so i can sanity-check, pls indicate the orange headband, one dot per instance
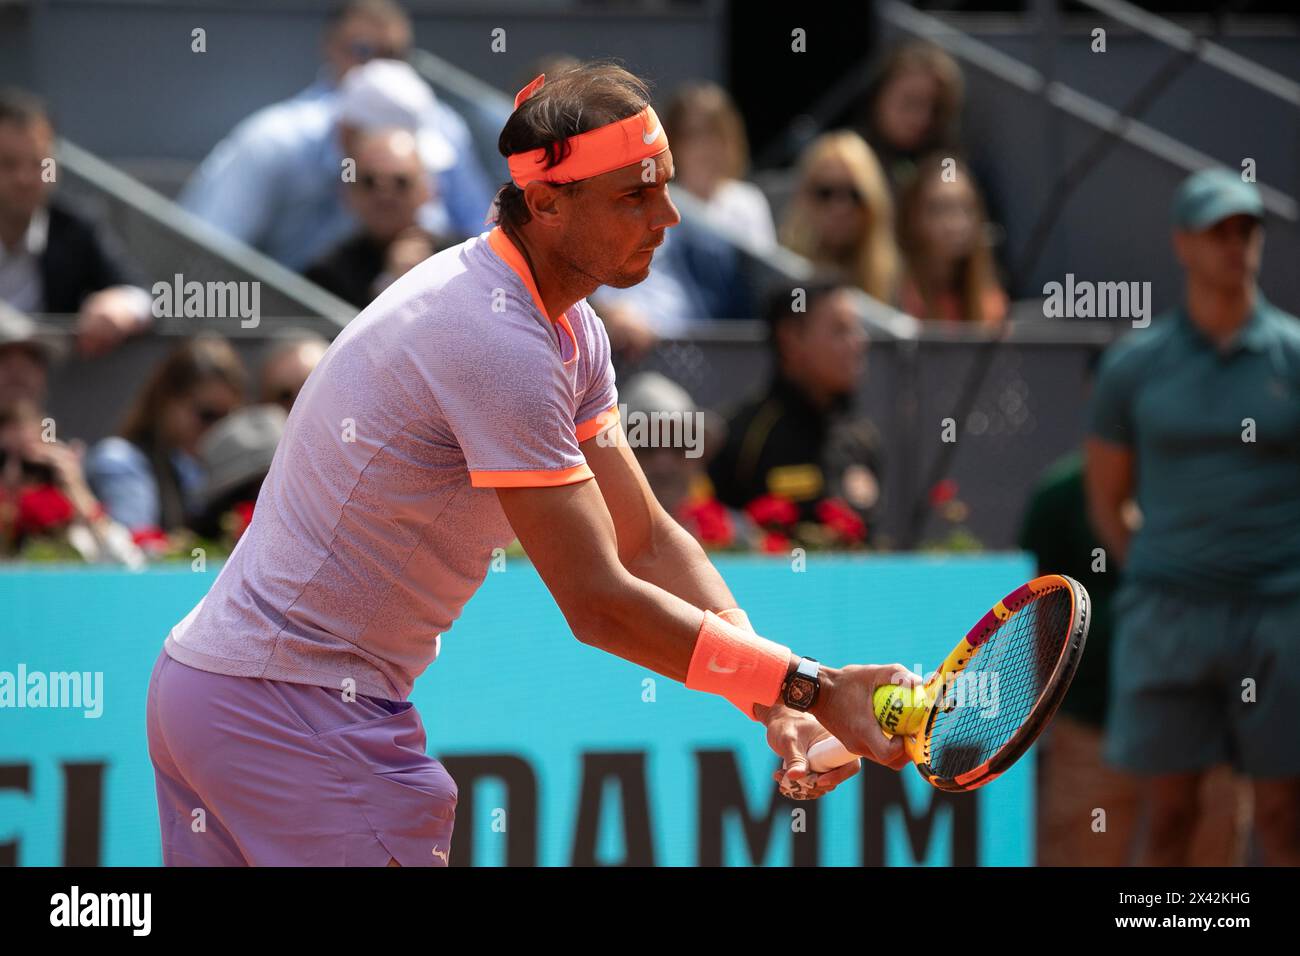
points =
(592, 153)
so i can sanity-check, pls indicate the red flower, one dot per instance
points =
(151, 539)
(943, 492)
(243, 512)
(774, 543)
(846, 523)
(769, 510)
(41, 509)
(709, 521)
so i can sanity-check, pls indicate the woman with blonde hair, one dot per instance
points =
(711, 159)
(842, 216)
(943, 232)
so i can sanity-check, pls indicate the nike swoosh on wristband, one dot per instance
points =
(713, 666)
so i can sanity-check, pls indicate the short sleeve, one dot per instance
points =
(516, 430)
(1110, 414)
(598, 407)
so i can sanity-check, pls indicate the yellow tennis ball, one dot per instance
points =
(899, 709)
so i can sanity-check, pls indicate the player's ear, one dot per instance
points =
(542, 199)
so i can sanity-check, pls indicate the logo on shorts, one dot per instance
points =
(442, 855)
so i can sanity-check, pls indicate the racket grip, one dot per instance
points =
(828, 754)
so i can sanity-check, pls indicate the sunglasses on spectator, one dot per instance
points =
(370, 182)
(210, 415)
(826, 192)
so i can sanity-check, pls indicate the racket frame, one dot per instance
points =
(918, 746)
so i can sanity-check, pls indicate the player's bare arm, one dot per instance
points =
(607, 605)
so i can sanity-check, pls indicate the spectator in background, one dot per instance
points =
(1073, 779)
(1197, 418)
(357, 32)
(799, 453)
(236, 454)
(148, 475)
(26, 355)
(673, 441)
(386, 198)
(285, 370)
(44, 497)
(949, 272)
(276, 181)
(912, 108)
(51, 259)
(842, 216)
(711, 158)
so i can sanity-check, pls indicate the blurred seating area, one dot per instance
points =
(170, 279)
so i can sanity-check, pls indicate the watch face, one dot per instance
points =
(800, 692)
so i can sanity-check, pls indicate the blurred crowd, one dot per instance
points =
(366, 173)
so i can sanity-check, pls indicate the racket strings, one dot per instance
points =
(997, 692)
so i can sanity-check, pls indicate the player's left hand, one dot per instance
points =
(790, 733)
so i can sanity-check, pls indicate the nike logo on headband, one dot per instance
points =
(650, 137)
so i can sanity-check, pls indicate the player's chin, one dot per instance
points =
(627, 277)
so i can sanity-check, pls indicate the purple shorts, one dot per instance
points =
(291, 775)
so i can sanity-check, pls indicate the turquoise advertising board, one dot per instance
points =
(563, 754)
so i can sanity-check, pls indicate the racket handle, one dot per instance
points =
(897, 709)
(828, 754)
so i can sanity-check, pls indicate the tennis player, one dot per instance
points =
(472, 402)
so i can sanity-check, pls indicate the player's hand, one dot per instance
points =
(845, 709)
(790, 733)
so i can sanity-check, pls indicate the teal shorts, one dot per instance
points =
(1184, 668)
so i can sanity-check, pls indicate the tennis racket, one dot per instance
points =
(992, 696)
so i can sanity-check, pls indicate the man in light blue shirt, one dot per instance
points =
(275, 182)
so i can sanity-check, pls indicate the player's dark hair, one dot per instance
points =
(22, 108)
(781, 302)
(579, 99)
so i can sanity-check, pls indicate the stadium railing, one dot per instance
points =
(1026, 404)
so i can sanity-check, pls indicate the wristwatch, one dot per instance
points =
(799, 692)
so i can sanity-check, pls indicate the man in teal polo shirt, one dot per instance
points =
(1198, 418)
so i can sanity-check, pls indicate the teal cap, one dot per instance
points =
(1213, 195)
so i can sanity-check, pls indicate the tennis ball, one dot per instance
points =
(900, 709)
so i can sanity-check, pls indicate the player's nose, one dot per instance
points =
(667, 215)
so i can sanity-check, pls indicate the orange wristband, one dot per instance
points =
(734, 662)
